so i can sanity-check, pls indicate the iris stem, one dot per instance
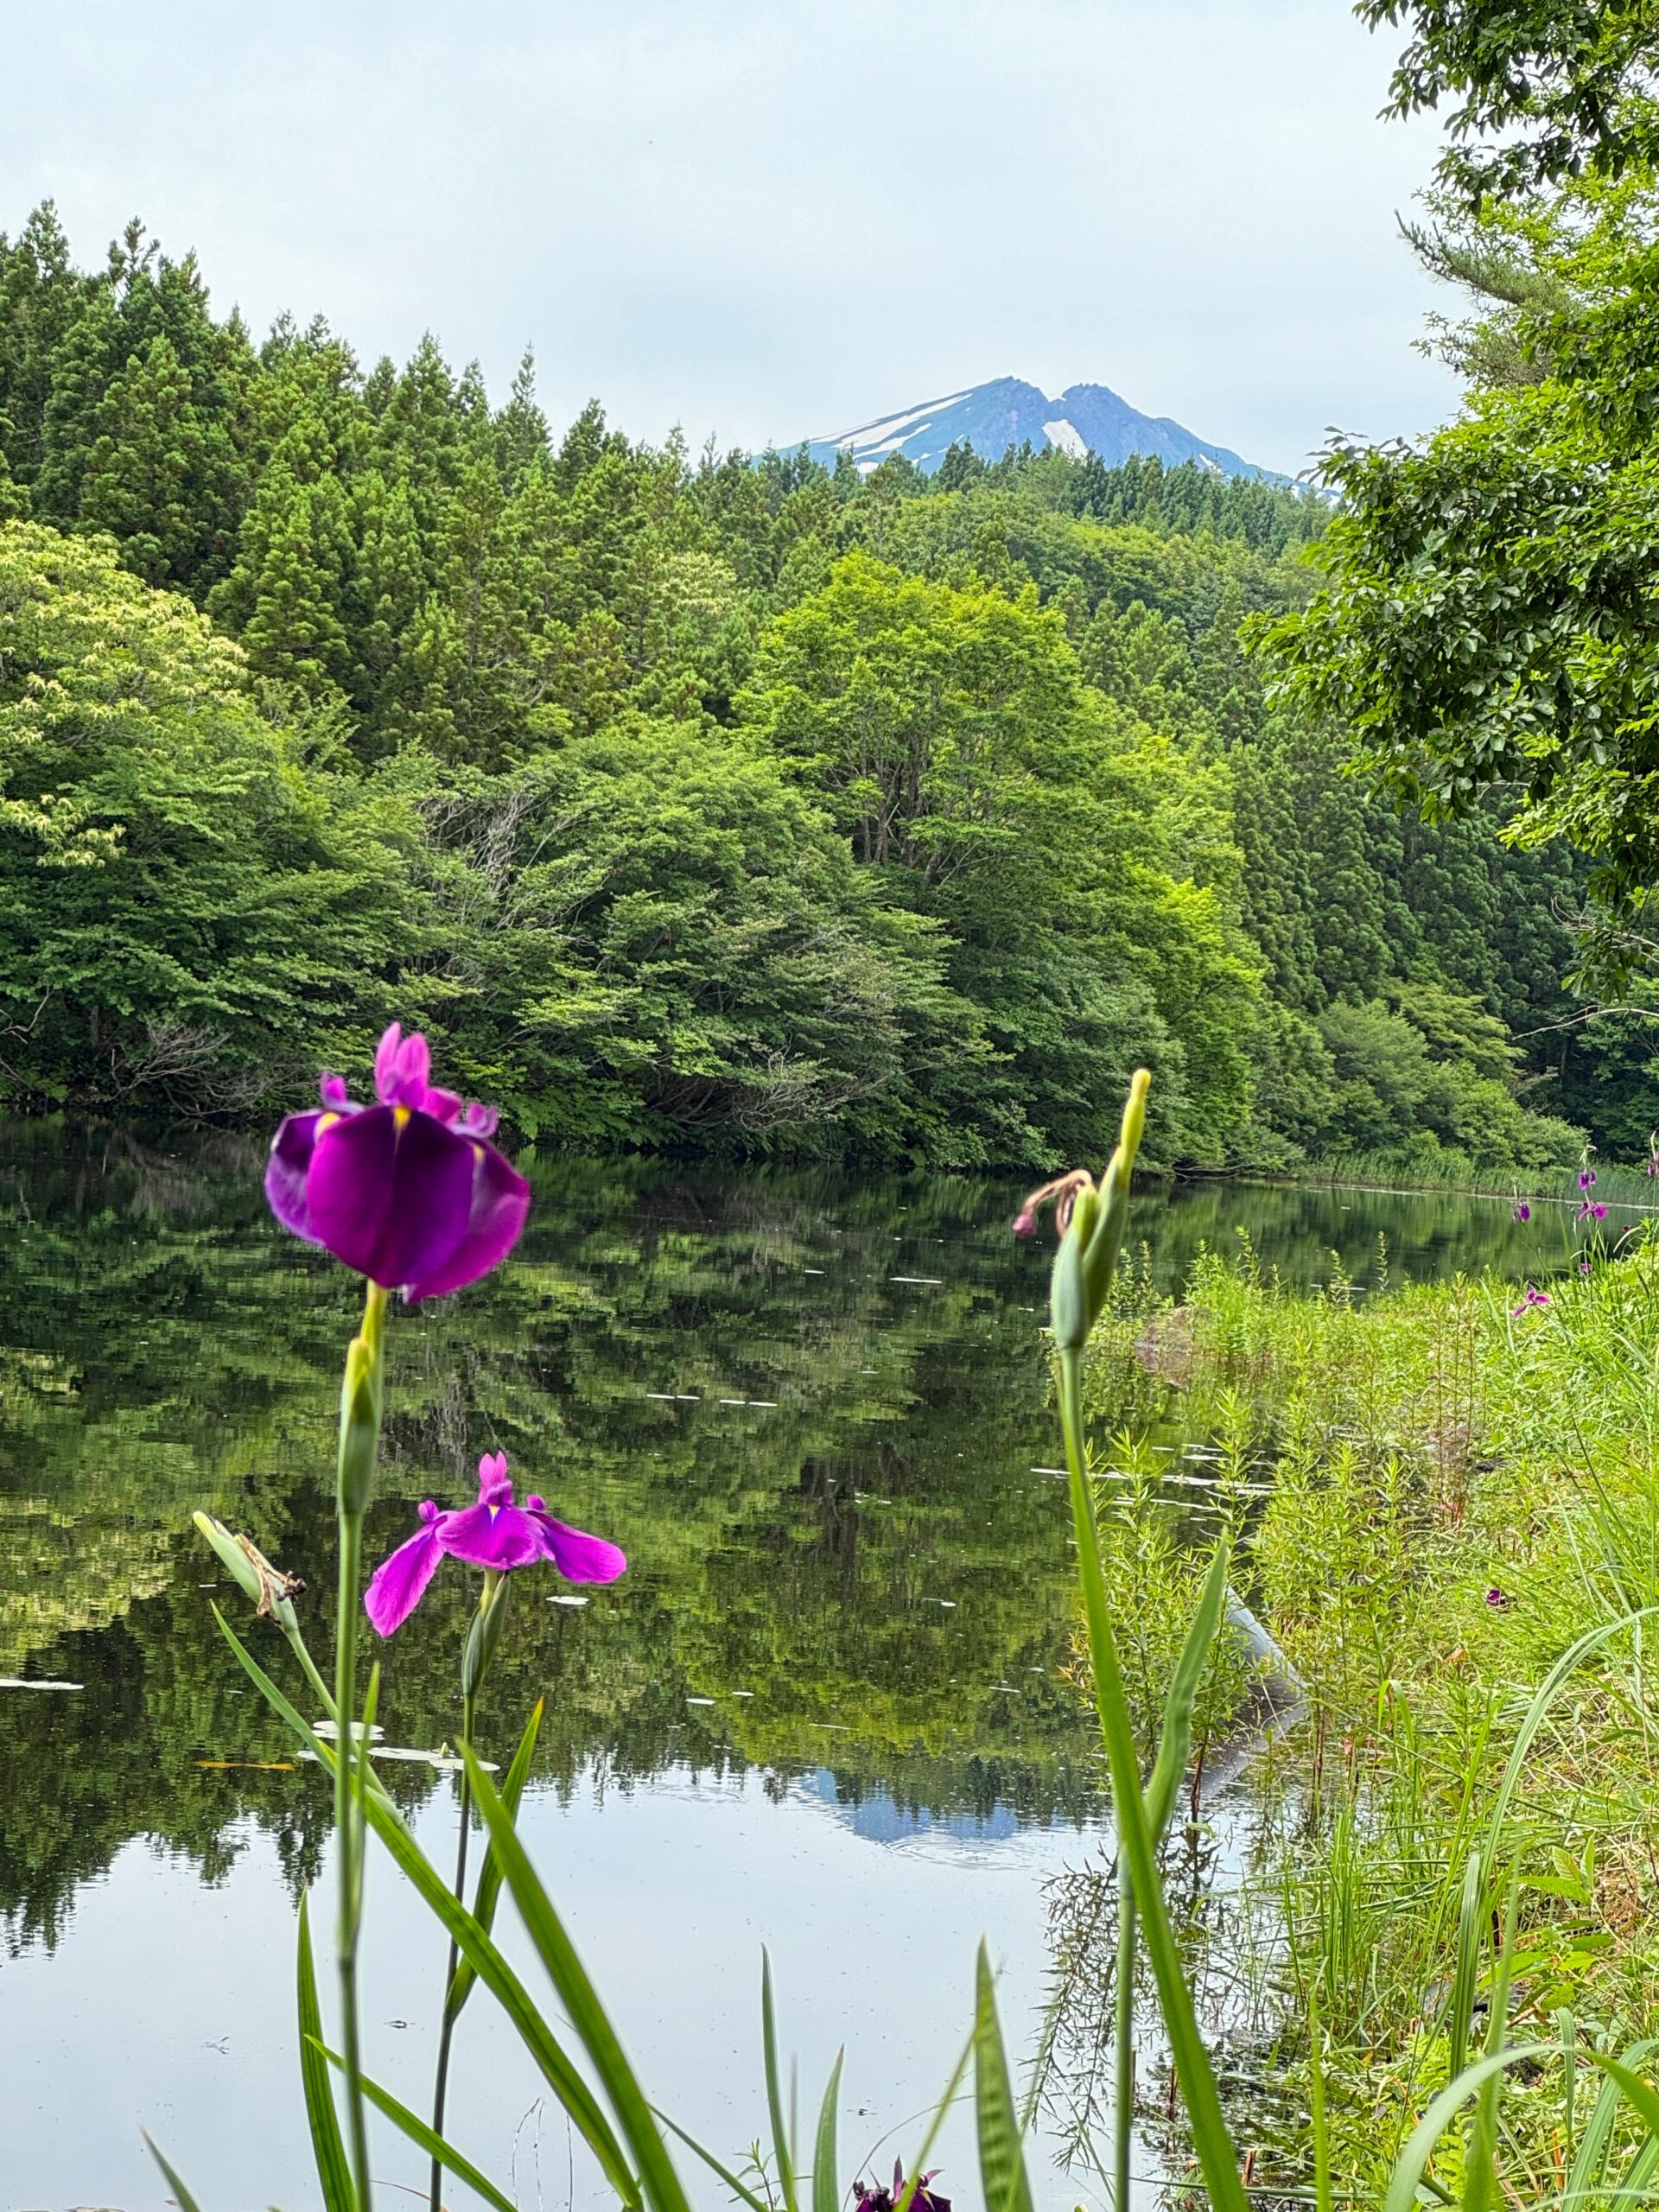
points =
(1077, 1461)
(446, 2033)
(1123, 2053)
(360, 1439)
(1137, 1843)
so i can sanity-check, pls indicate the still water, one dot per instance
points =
(825, 1711)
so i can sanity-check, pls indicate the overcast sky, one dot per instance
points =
(771, 218)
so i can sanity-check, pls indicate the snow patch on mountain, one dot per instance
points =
(1007, 412)
(1067, 437)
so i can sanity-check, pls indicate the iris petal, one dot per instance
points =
(399, 1584)
(578, 1556)
(402, 1065)
(390, 1193)
(500, 1206)
(385, 1061)
(500, 1537)
(411, 1193)
(285, 1173)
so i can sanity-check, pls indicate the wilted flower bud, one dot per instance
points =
(272, 1591)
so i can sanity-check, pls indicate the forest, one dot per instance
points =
(707, 802)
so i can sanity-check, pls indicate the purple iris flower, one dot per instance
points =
(875, 2196)
(1587, 1212)
(1586, 1179)
(1532, 1298)
(411, 1193)
(495, 1534)
(1521, 1211)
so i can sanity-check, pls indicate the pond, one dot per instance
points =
(826, 1710)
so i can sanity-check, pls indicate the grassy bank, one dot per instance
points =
(1435, 1491)
(1446, 1170)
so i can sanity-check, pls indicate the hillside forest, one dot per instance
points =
(704, 801)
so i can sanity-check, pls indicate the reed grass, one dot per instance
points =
(1618, 1181)
(1459, 1494)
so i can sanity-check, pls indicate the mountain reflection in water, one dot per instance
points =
(812, 1407)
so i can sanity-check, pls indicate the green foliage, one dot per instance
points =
(1457, 1555)
(697, 802)
(191, 913)
(1153, 1577)
(1483, 625)
(973, 773)
(661, 934)
(1565, 79)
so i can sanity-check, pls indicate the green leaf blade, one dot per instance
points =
(1002, 2157)
(826, 2185)
(328, 2146)
(662, 2185)
(488, 1892)
(421, 2135)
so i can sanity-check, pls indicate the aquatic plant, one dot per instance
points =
(494, 1535)
(408, 1184)
(389, 1206)
(499, 1537)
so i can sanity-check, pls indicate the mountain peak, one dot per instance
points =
(991, 417)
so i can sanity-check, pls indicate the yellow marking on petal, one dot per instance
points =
(326, 1121)
(400, 1116)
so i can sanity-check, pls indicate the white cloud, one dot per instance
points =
(756, 219)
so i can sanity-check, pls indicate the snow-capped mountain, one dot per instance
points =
(991, 417)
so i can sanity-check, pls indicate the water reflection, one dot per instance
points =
(812, 1409)
(808, 1408)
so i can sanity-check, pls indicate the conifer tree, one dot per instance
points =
(39, 295)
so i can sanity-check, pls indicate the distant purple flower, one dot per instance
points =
(876, 2196)
(1586, 1267)
(411, 1193)
(1064, 1192)
(494, 1534)
(1533, 1297)
(1586, 1179)
(1587, 1212)
(1499, 1600)
(1520, 1210)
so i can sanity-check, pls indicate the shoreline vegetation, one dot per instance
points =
(1413, 1175)
(1431, 1495)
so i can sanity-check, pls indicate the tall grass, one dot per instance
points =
(1447, 1170)
(1458, 1495)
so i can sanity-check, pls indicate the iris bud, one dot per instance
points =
(1068, 1291)
(360, 1427)
(269, 1588)
(231, 1555)
(484, 1636)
